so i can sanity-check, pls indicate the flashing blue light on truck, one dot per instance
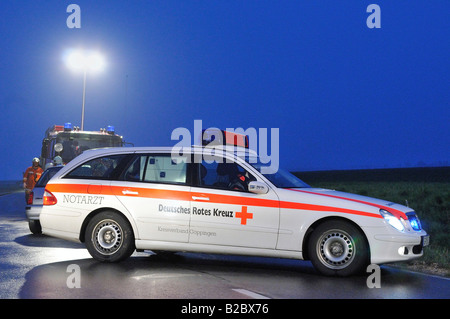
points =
(68, 126)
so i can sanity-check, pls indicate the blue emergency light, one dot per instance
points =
(68, 126)
(110, 129)
(415, 224)
(414, 221)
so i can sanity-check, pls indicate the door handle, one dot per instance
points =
(200, 198)
(128, 192)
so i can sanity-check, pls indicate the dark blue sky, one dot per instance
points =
(342, 95)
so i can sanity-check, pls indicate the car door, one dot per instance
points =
(224, 212)
(155, 190)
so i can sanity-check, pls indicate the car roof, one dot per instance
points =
(165, 149)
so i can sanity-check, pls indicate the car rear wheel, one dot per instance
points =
(337, 248)
(35, 226)
(109, 237)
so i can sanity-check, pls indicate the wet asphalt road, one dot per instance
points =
(43, 267)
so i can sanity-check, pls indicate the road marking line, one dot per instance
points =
(250, 294)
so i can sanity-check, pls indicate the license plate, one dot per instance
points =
(425, 240)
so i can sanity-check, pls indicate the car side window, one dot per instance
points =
(222, 175)
(102, 168)
(153, 168)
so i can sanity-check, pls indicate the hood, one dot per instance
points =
(327, 194)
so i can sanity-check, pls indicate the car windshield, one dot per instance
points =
(74, 143)
(281, 178)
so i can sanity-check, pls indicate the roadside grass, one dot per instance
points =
(430, 200)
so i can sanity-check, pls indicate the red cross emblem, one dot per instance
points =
(244, 215)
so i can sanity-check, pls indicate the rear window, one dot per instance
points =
(47, 175)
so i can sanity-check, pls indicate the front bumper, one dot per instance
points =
(393, 246)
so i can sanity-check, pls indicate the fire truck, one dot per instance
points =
(68, 141)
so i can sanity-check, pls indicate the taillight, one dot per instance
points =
(49, 198)
(30, 198)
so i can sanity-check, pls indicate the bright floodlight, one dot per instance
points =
(85, 61)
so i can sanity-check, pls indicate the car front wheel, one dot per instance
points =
(109, 237)
(338, 248)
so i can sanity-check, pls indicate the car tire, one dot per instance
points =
(35, 226)
(109, 237)
(338, 248)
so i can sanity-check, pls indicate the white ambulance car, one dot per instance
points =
(120, 200)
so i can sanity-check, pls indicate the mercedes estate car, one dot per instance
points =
(119, 200)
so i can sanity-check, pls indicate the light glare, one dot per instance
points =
(392, 220)
(80, 60)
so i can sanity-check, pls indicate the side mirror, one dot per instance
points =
(258, 187)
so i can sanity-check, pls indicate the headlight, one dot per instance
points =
(392, 220)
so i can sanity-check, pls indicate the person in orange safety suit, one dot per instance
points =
(31, 176)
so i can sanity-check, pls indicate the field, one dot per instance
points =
(426, 190)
